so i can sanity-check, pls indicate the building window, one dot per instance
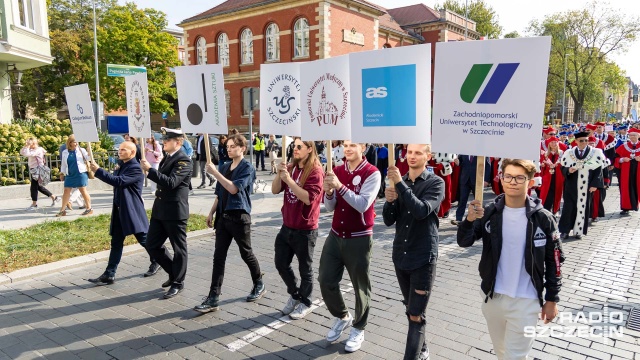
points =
(223, 49)
(386, 46)
(227, 99)
(246, 47)
(25, 13)
(201, 51)
(273, 42)
(301, 38)
(246, 99)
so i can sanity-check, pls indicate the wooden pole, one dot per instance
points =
(479, 193)
(329, 156)
(284, 149)
(143, 147)
(207, 150)
(90, 152)
(392, 155)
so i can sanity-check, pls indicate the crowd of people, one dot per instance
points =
(538, 204)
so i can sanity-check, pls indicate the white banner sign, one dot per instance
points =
(280, 99)
(138, 105)
(326, 99)
(391, 95)
(83, 121)
(201, 99)
(489, 97)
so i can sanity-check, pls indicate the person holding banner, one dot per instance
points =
(128, 216)
(170, 210)
(232, 210)
(301, 183)
(73, 171)
(412, 205)
(582, 171)
(521, 259)
(350, 192)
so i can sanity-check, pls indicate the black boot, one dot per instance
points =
(104, 279)
(209, 304)
(211, 181)
(257, 291)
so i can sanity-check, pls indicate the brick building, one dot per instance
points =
(242, 34)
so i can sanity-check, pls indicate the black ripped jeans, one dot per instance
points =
(416, 304)
(300, 243)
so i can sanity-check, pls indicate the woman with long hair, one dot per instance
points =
(153, 154)
(73, 172)
(35, 155)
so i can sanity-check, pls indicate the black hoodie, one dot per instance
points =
(541, 262)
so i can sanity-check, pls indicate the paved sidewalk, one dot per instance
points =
(63, 316)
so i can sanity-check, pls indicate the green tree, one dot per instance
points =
(126, 35)
(512, 35)
(584, 38)
(479, 11)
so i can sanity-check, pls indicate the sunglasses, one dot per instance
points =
(299, 147)
(583, 140)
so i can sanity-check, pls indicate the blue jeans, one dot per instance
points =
(117, 244)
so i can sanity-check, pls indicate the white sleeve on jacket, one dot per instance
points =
(368, 193)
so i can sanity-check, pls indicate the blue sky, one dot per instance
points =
(513, 15)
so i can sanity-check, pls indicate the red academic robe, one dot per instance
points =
(496, 184)
(401, 162)
(445, 205)
(455, 179)
(552, 184)
(628, 175)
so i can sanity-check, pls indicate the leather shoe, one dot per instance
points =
(104, 279)
(153, 269)
(257, 291)
(201, 186)
(209, 304)
(211, 182)
(173, 291)
(167, 283)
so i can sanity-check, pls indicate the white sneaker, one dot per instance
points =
(32, 208)
(290, 306)
(356, 338)
(424, 355)
(300, 311)
(338, 327)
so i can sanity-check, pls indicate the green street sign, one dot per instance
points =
(124, 70)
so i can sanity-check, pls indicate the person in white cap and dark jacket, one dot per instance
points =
(170, 210)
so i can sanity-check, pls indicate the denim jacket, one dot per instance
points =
(243, 177)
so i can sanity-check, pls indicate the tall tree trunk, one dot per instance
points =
(577, 110)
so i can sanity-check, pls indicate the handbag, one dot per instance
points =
(41, 173)
(90, 172)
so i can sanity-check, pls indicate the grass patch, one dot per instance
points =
(59, 240)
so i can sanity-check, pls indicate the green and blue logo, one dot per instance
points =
(495, 86)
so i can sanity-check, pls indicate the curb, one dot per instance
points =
(44, 269)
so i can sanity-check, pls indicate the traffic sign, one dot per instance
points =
(124, 70)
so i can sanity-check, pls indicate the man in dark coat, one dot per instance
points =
(170, 210)
(467, 182)
(127, 215)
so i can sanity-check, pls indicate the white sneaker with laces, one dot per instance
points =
(290, 306)
(424, 355)
(300, 311)
(338, 327)
(32, 208)
(356, 338)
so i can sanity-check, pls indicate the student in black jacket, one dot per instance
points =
(521, 258)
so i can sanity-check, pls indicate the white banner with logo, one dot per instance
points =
(391, 95)
(326, 99)
(489, 97)
(280, 112)
(201, 99)
(83, 121)
(138, 105)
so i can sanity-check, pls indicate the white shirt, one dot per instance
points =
(512, 278)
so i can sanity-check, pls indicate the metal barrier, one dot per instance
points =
(17, 167)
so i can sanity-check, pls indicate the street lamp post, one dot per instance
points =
(564, 87)
(95, 54)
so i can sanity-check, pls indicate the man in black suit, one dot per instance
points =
(202, 159)
(467, 182)
(127, 214)
(170, 210)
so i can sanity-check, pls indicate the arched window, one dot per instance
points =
(273, 42)
(386, 46)
(223, 49)
(246, 47)
(227, 99)
(201, 51)
(301, 38)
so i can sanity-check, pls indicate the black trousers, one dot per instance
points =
(232, 226)
(259, 154)
(35, 187)
(176, 231)
(416, 304)
(301, 243)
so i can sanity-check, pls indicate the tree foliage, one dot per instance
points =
(126, 35)
(584, 38)
(479, 11)
(512, 35)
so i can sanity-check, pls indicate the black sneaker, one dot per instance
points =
(167, 283)
(257, 291)
(104, 279)
(209, 304)
(202, 186)
(624, 212)
(211, 182)
(153, 269)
